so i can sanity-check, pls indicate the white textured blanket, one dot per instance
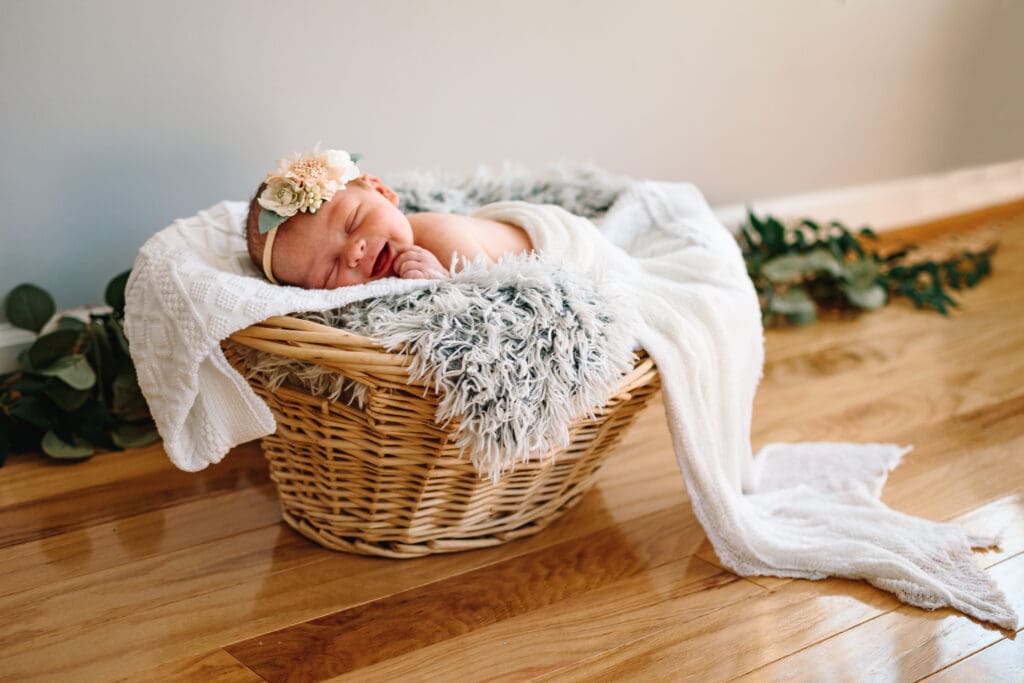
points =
(191, 287)
(804, 510)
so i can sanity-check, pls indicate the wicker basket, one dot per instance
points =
(385, 479)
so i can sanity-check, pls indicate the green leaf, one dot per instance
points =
(56, 447)
(74, 371)
(801, 318)
(67, 398)
(794, 302)
(114, 296)
(129, 403)
(48, 348)
(93, 422)
(68, 322)
(29, 384)
(118, 329)
(34, 410)
(791, 267)
(868, 298)
(270, 220)
(860, 274)
(102, 355)
(29, 307)
(135, 436)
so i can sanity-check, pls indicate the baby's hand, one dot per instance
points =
(417, 262)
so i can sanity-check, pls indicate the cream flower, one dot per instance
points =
(283, 196)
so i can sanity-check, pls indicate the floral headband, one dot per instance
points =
(302, 183)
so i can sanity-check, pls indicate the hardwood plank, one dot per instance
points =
(91, 549)
(915, 383)
(904, 644)
(213, 667)
(336, 643)
(999, 663)
(551, 638)
(105, 493)
(737, 638)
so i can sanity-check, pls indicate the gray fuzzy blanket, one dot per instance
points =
(516, 350)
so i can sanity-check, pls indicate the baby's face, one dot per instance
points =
(352, 239)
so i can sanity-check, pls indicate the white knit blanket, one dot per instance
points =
(807, 510)
(804, 510)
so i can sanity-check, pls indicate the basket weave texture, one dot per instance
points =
(385, 479)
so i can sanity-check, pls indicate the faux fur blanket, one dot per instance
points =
(517, 351)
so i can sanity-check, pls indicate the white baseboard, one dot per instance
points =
(895, 203)
(12, 341)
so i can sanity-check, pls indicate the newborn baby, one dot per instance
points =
(318, 222)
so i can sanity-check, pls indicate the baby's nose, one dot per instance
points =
(356, 252)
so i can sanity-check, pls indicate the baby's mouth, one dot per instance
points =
(381, 264)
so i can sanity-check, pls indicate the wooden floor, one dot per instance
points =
(123, 567)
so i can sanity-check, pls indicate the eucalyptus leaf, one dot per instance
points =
(794, 302)
(114, 296)
(93, 422)
(118, 331)
(68, 322)
(860, 274)
(56, 447)
(791, 267)
(129, 403)
(868, 298)
(801, 318)
(74, 371)
(135, 436)
(102, 355)
(33, 409)
(30, 384)
(784, 268)
(49, 348)
(67, 398)
(29, 307)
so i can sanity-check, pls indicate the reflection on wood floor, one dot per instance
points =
(123, 567)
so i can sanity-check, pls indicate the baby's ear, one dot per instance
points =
(378, 184)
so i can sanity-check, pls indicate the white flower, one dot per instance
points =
(283, 196)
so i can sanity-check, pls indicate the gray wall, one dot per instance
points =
(119, 116)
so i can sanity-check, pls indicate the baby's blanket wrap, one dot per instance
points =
(808, 510)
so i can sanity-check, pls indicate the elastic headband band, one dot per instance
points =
(268, 249)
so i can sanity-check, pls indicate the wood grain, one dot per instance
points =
(123, 568)
(999, 663)
(903, 644)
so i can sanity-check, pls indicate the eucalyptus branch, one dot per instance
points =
(803, 269)
(76, 391)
